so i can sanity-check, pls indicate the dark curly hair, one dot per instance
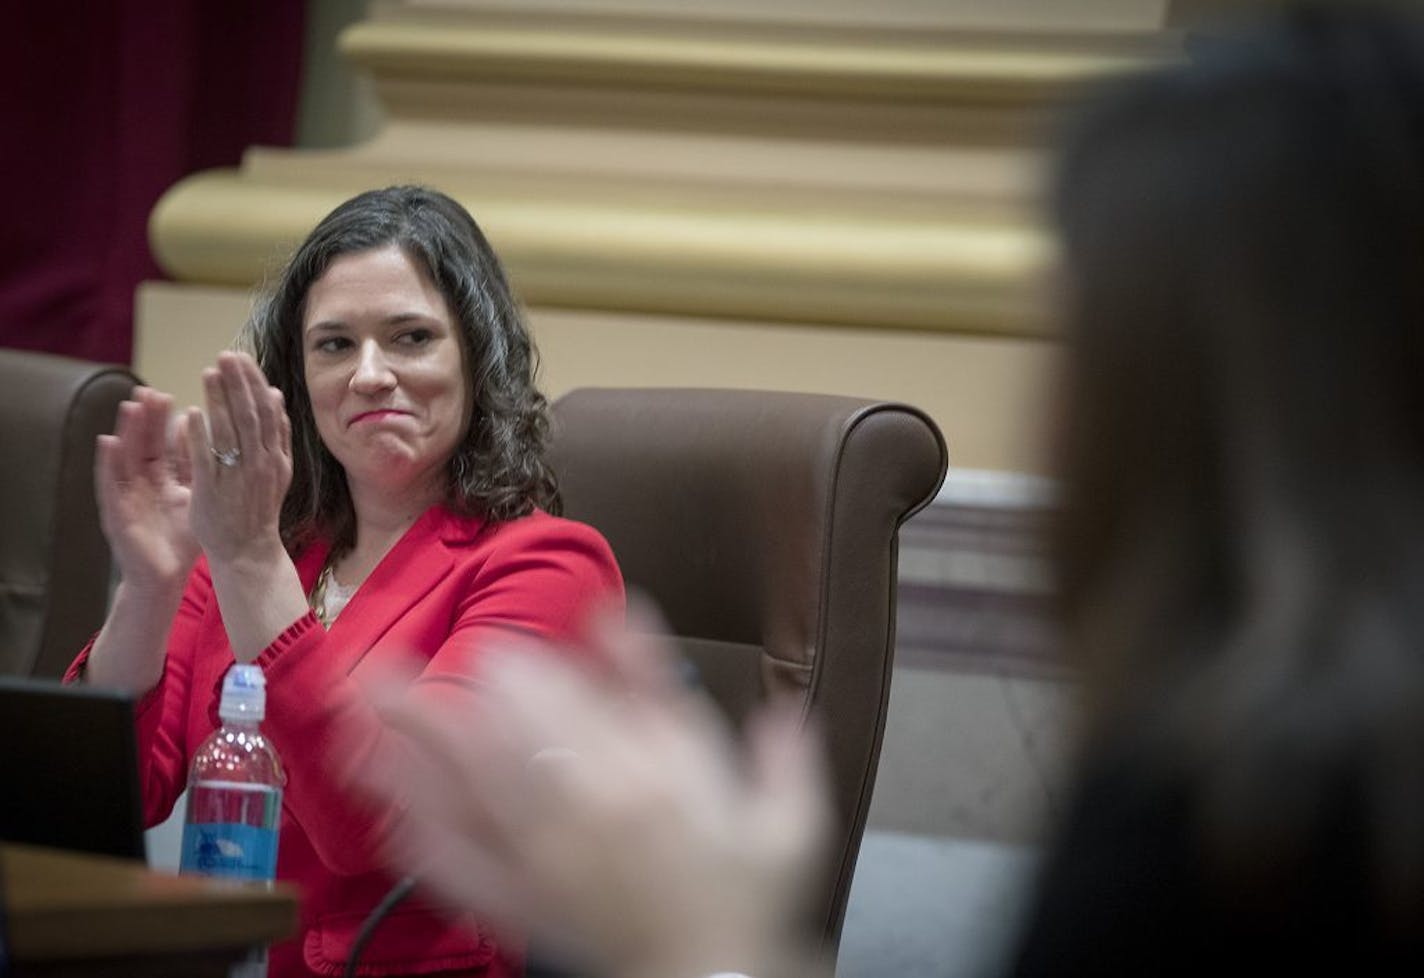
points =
(498, 470)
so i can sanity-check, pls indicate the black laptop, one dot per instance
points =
(69, 768)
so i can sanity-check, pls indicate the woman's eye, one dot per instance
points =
(416, 337)
(332, 344)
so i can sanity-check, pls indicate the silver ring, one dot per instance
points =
(227, 459)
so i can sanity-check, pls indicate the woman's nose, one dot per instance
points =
(373, 373)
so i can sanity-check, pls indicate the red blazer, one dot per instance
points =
(447, 587)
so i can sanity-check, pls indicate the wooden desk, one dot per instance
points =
(74, 914)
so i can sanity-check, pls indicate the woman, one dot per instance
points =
(385, 495)
(1241, 558)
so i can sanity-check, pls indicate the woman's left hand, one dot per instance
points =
(241, 460)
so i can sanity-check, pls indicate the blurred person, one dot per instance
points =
(1241, 553)
(1241, 558)
(371, 479)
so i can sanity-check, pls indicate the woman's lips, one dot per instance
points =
(379, 415)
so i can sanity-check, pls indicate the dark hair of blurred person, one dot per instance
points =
(1241, 555)
(498, 472)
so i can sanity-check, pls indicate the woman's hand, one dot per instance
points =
(142, 484)
(614, 818)
(241, 462)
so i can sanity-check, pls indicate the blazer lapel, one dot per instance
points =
(405, 575)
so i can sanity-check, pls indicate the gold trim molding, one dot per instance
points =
(860, 65)
(833, 269)
(744, 172)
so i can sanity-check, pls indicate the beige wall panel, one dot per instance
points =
(986, 393)
(180, 329)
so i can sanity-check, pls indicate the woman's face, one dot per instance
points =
(385, 373)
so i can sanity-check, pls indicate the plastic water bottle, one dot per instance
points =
(235, 796)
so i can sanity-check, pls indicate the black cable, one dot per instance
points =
(535, 965)
(373, 920)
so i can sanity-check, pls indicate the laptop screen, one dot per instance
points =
(69, 764)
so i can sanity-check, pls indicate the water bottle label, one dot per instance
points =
(229, 849)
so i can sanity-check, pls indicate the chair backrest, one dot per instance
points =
(54, 561)
(764, 525)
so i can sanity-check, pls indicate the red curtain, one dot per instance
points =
(105, 105)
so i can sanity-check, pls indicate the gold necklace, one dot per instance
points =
(318, 598)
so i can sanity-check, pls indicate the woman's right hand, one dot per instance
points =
(142, 482)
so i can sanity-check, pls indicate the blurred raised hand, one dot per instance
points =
(608, 811)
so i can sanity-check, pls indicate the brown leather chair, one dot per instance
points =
(764, 525)
(54, 561)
